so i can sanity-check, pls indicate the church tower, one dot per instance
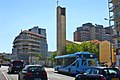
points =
(61, 29)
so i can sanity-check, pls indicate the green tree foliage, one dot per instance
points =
(54, 54)
(84, 46)
(90, 47)
(6, 59)
(72, 48)
(38, 55)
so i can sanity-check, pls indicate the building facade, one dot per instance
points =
(114, 8)
(27, 44)
(38, 30)
(89, 32)
(104, 50)
(61, 29)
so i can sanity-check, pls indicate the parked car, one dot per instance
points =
(90, 77)
(15, 66)
(32, 72)
(99, 73)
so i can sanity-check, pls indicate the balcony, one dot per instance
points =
(111, 8)
(112, 17)
(116, 36)
(115, 17)
(110, 1)
(117, 27)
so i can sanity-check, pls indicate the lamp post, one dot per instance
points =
(110, 32)
(110, 39)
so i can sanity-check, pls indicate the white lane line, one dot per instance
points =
(7, 78)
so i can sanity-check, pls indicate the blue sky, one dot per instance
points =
(25, 14)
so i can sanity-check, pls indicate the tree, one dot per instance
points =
(72, 48)
(84, 46)
(90, 47)
(6, 59)
(38, 55)
(54, 54)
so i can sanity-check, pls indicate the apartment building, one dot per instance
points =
(38, 30)
(88, 32)
(114, 9)
(29, 43)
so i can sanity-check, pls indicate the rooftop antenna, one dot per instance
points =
(57, 2)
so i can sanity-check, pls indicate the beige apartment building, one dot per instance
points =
(88, 32)
(114, 9)
(29, 43)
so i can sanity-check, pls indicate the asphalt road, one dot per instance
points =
(50, 72)
(57, 76)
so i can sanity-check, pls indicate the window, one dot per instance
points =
(62, 11)
(17, 63)
(87, 71)
(113, 71)
(84, 62)
(95, 71)
(77, 64)
(104, 72)
(74, 64)
(35, 68)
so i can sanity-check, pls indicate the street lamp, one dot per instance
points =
(110, 39)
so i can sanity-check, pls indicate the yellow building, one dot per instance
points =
(105, 53)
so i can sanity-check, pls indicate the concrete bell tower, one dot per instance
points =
(61, 29)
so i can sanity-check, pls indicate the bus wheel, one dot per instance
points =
(69, 72)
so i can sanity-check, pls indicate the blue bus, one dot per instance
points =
(75, 63)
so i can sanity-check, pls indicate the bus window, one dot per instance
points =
(69, 61)
(59, 62)
(84, 62)
(77, 64)
(74, 64)
(91, 63)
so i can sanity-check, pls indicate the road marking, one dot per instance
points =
(7, 78)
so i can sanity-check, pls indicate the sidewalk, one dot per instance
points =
(49, 69)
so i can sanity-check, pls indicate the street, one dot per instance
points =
(56, 76)
(50, 72)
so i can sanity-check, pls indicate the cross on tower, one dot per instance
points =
(57, 2)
